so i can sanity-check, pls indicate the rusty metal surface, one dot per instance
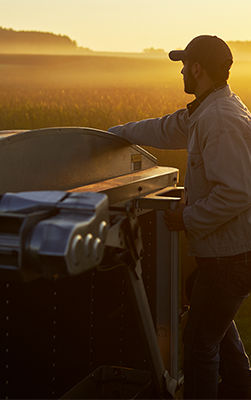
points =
(135, 184)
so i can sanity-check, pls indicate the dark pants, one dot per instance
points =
(212, 346)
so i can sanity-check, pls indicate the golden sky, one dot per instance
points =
(130, 25)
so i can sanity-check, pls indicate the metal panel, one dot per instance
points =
(64, 158)
(58, 332)
(131, 186)
(168, 295)
(54, 333)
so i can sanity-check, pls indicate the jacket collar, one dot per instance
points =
(207, 98)
(195, 103)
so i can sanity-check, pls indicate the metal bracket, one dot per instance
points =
(161, 199)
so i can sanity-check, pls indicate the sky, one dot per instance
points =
(130, 25)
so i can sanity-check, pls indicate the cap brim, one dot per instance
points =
(177, 55)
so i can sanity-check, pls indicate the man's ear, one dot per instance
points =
(196, 70)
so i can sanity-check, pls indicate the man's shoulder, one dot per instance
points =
(224, 116)
(228, 108)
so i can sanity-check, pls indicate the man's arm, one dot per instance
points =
(227, 163)
(168, 132)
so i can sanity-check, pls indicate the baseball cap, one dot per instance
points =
(209, 51)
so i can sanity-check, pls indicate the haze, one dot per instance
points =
(130, 25)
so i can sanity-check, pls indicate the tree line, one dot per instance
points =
(12, 41)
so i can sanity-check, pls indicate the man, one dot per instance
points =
(216, 130)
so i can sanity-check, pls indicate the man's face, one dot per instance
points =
(190, 82)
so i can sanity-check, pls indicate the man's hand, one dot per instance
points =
(174, 218)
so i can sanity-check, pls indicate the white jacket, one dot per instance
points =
(218, 178)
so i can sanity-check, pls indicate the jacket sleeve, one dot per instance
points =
(168, 132)
(226, 152)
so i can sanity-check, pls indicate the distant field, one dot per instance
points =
(98, 92)
(94, 91)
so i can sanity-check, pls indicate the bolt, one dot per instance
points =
(103, 228)
(76, 245)
(88, 243)
(97, 249)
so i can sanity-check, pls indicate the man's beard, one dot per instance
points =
(190, 83)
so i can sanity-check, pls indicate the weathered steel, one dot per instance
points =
(79, 322)
(65, 158)
(134, 185)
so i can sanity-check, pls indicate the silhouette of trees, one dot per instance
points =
(12, 41)
(240, 45)
(241, 49)
(151, 51)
